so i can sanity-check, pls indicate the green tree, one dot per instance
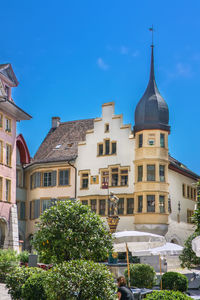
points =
(69, 230)
(79, 279)
(188, 257)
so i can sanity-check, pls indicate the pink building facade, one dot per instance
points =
(10, 113)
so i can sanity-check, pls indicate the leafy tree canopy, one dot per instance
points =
(69, 230)
(188, 257)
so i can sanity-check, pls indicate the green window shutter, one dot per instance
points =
(22, 210)
(54, 175)
(36, 209)
(31, 179)
(37, 179)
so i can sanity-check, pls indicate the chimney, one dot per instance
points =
(55, 122)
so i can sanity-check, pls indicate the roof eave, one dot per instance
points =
(14, 110)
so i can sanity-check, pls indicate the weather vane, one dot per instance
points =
(152, 30)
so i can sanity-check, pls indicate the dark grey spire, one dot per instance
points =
(152, 110)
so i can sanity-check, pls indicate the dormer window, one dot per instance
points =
(7, 90)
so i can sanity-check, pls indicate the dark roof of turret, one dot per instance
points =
(152, 110)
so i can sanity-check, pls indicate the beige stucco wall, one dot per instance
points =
(58, 192)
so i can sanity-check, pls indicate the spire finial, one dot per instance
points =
(152, 30)
(152, 76)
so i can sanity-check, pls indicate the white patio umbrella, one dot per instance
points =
(196, 246)
(137, 241)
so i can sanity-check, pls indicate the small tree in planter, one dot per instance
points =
(141, 275)
(69, 230)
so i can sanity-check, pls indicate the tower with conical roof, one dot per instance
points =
(151, 159)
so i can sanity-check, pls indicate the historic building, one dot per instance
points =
(22, 159)
(10, 113)
(89, 159)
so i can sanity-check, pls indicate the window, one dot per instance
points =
(1, 188)
(113, 147)
(64, 177)
(162, 140)
(47, 203)
(102, 207)
(121, 206)
(130, 206)
(7, 125)
(195, 192)
(8, 155)
(105, 179)
(140, 173)
(162, 203)
(183, 190)
(188, 191)
(34, 209)
(107, 147)
(162, 173)
(1, 151)
(106, 127)
(35, 180)
(100, 149)
(8, 190)
(93, 203)
(1, 121)
(84, 180)
(140, 143)
(124, 177)
(49, 178)
(84, 202)
(189, 216)
(19, 178)
(114, 177)
(150, 172)
(7, 90)
(150, 203)
(140, 203)
(21, 210)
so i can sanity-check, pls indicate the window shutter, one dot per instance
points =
(37, 179)
(22, 210)
(31, 180)
(54, 173)
(36, 209)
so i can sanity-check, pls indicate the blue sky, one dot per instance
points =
(72, 56)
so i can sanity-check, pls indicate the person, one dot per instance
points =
(123, 292)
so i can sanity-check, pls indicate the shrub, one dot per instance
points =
(69, 230)
(18, 277)
(188, 257)
(167, 295)
(33, 288)
(80, 279)
(23, 256)
(8, 261)
(175, 281)
(141, 275)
